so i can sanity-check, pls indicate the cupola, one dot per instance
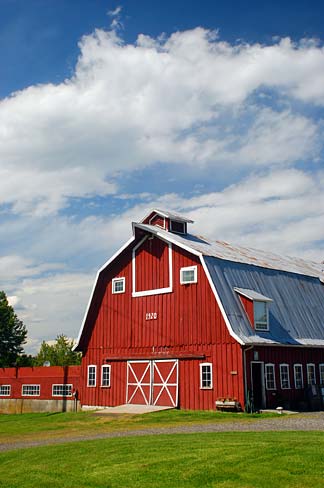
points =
(168, 221)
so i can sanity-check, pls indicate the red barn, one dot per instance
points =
(177, 320)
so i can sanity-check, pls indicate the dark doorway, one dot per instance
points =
(257, 385)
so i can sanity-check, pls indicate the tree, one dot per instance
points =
(59, 354)
(13, 333)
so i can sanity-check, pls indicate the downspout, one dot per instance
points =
(245, 375)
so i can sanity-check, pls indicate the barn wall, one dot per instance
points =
(186, 321)
(290, 398)
(46, 377)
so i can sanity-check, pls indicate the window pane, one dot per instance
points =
(62, 390)
(270, 377)
(298, 376)
(105, 380)
(284, 376)
(206, 376)
(260, 315)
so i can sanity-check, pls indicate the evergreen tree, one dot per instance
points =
(13, 333)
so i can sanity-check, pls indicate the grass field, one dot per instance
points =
(14, 428)
(226, 460)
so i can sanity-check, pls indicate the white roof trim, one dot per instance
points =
(218, 300)
(95, 284)
(168, 215)
(252, 295)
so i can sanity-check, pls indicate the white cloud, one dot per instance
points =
(175, 100)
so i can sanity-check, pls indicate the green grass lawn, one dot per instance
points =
(15, 428)
(227, 460)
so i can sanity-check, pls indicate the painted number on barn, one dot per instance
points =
(151, 316)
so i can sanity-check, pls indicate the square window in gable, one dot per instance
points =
(188, 275)
(118, 285)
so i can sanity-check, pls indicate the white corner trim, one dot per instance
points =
(156, 214)
(95, 284)
(220, 305)
(156, 291)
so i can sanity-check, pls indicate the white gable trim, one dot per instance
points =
(169, 240)
(95, 284)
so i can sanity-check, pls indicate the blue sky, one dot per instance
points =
(109, 109)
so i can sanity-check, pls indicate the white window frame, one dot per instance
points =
(6, 388)
(210, 366)
(321, 373)
(95, 375)
(103, 367)
(32, 387)
(282, 367)
(261, 326)
(62, 385)
(311, 366)
(302, 376)
(118, 280)
(272, 366)
(188, 268)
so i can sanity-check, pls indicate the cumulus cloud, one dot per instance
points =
(189, 99)
(173, 100)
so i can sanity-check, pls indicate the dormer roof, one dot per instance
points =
(169, 215)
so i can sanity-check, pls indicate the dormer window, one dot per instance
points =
(256, 306)
(261, 315)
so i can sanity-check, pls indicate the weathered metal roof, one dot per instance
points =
(252, 294)
(240, 254)
(296, 313)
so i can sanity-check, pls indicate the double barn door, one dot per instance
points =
(152, 382)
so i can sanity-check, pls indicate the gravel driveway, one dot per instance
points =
(301, 422)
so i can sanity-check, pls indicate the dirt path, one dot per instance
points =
(303, 422)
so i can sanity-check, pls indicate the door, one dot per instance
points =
(257, 384)
(152, 382)
(165, 383)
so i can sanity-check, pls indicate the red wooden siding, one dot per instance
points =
(158, 220)
(43, 376)
(290, 356)
(248, 306)
(152, 265)
(186, 322)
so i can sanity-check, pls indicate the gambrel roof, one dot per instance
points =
(295, 286)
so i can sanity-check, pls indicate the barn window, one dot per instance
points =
(30, 390)
(118, 285)
(270, 379)
(321, 373)
(92, 375)
(178, 227)
(5, 390)
(62, 390)
(311, 376)
(206, 376)
(188, 275)
(105, 375)
(298, 374)
(284, 376)
(261, 315)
